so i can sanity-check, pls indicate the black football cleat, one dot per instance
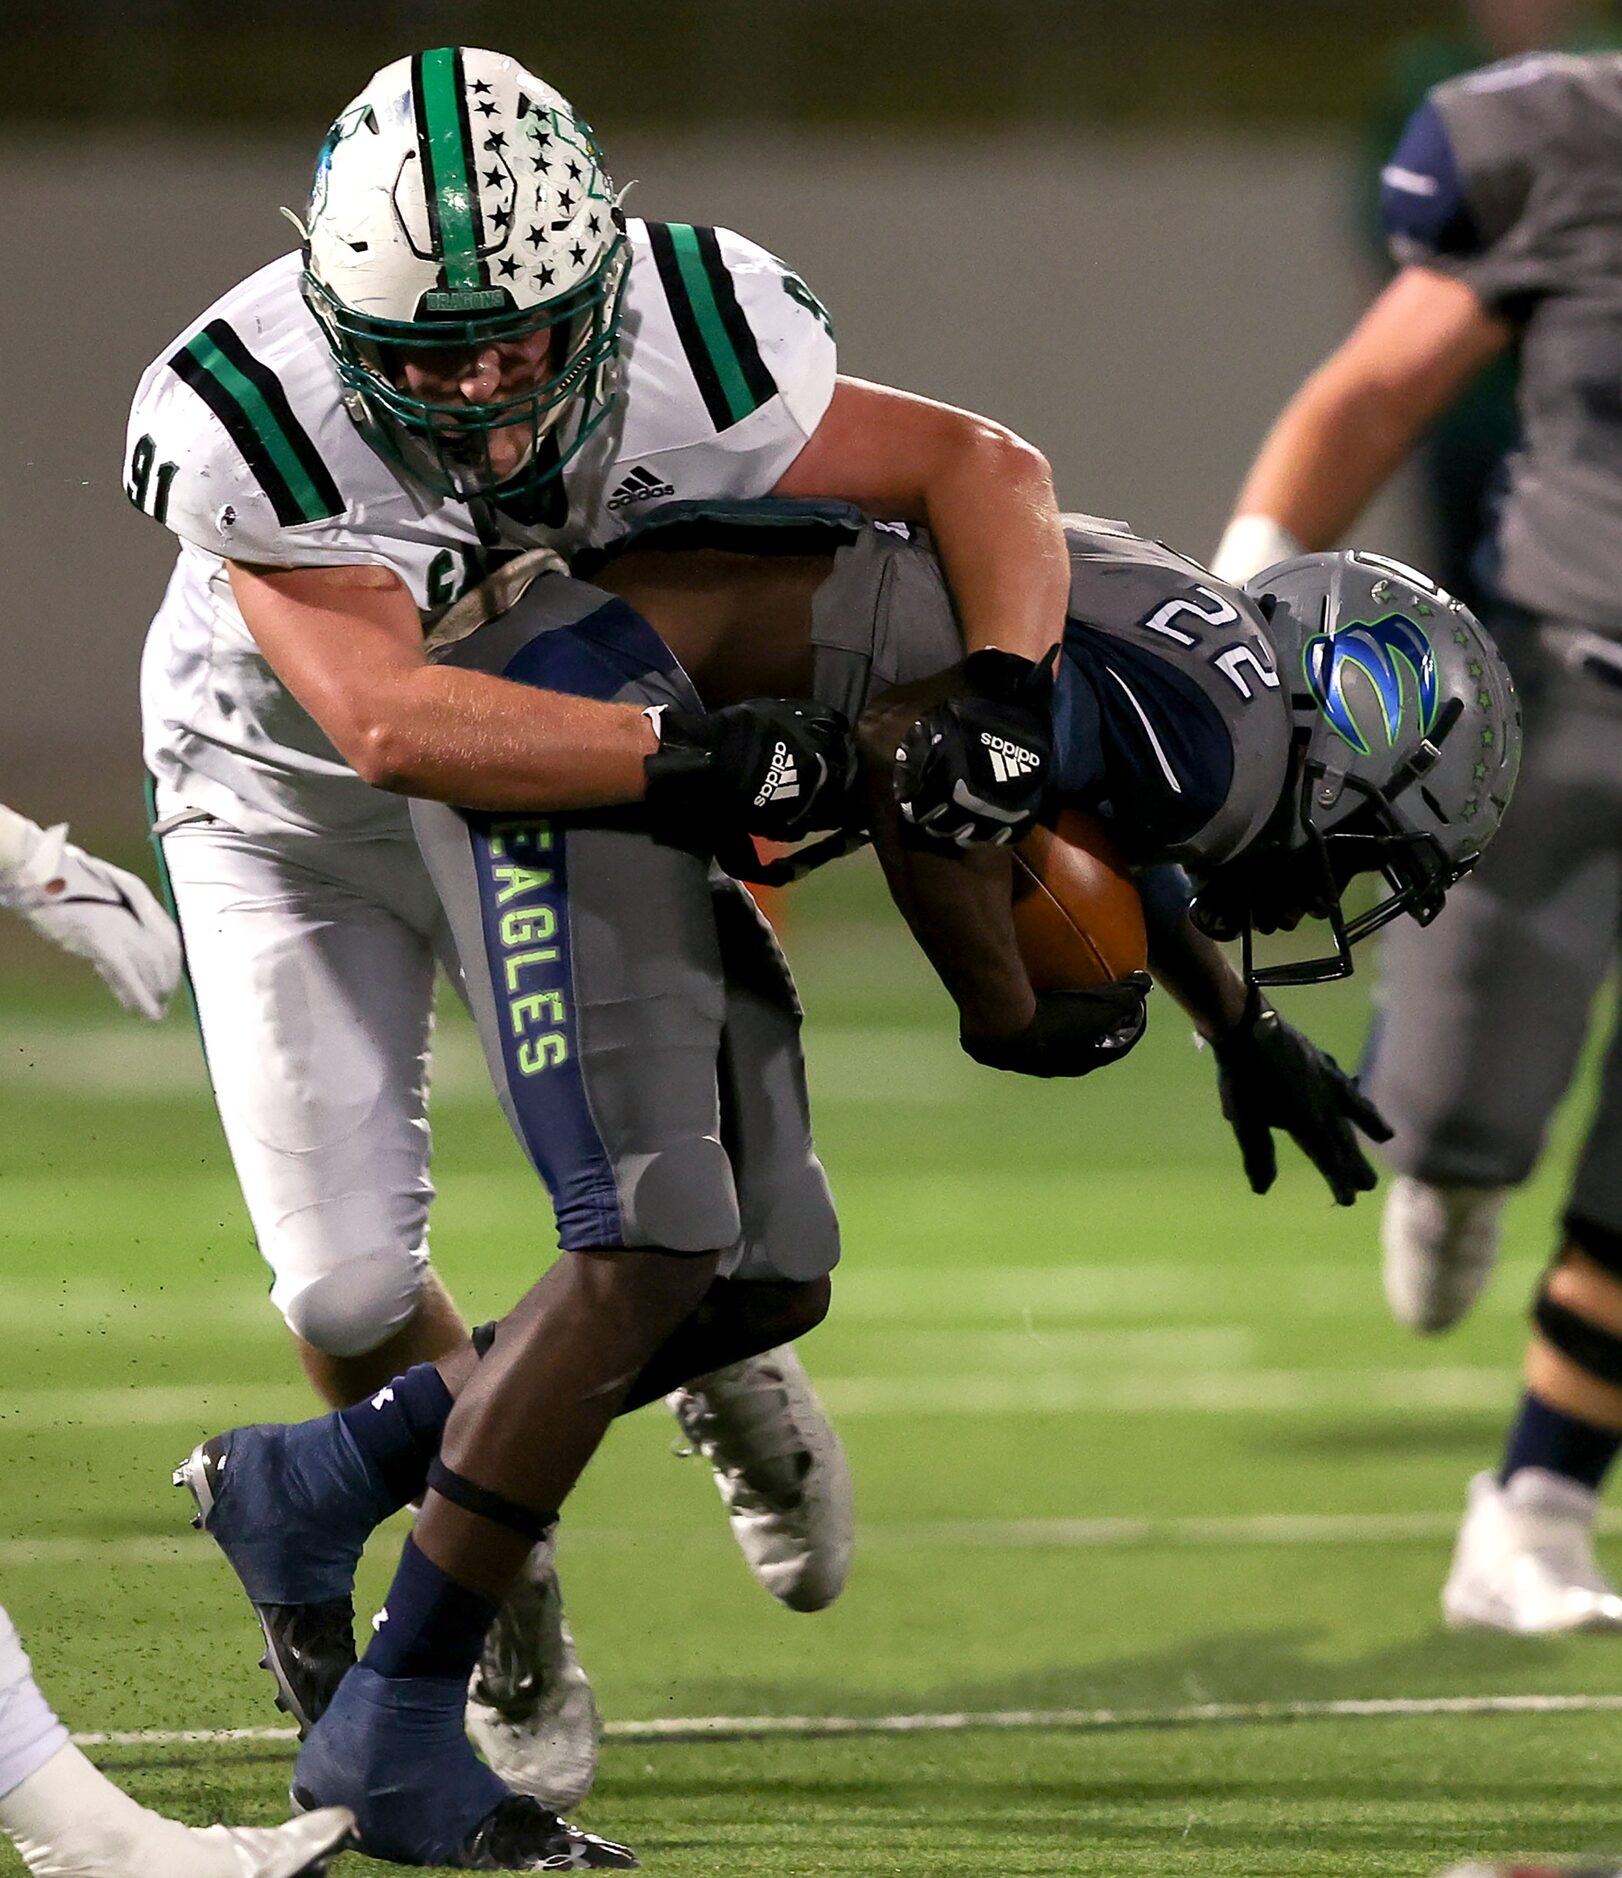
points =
(393, 1751)
(309, 1645)
(523, 1835)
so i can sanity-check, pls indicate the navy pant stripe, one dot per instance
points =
(522, 868)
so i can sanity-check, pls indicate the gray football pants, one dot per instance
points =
(1483, 1015)
(639, 1021)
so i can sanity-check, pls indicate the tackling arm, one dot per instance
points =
(974, 768)
(985, 495)
(1356, 418)
(347, 642)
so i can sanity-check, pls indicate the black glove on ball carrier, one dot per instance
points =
(976, 767)
(1073, 1032)
(1271, 1076)
(778, 767)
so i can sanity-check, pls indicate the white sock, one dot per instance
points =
(30, 1733)
(66, 1816)
(70, 1821)
(17, 835)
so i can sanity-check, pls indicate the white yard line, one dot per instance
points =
(1058, 1534)
(1010, 1391)
(1092, 1720)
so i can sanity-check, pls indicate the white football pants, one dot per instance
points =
(312, 960)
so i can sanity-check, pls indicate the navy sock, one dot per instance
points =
(398, 1430)
(1547, 1437)
(429, 1625)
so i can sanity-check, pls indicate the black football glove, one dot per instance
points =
(976, 766)
(778, 767)
(1271, 1076)
(1073, 1032)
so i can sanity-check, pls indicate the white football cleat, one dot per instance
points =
(69, 1821)
(1440, 1247)
(302, 1848)
(1524, 1560)
(781, 1472)
(530, 1710)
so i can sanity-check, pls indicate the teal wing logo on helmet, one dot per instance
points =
(1381, 652)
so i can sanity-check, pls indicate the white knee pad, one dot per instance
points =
(356, 1305)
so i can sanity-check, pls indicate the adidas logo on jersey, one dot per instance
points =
(640, 486)
(782, 779)
(1009, 761)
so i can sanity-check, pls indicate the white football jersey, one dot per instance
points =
(240, 444)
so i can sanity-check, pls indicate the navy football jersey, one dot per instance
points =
(1171, 722)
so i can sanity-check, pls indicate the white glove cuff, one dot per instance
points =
(17, 837)
(1249, 544)
(29, 857)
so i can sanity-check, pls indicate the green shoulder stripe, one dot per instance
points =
(721, 350)
(248, 399)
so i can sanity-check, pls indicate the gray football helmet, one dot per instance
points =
(1407, 744)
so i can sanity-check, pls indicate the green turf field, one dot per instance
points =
(1142, 1468)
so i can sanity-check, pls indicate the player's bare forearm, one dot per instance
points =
(1196, 972)
(485, 743)
(985, 495)
(1360, 413)
(347, 642)
(958, 905)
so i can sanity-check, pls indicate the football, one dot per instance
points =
(1077, 915)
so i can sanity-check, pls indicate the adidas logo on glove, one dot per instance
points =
(640, 486)
(782, 779)
(1009, 761)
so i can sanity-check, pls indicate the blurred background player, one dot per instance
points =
(1460, 456)
(68, 1820)
(92, 909)
(1503, 200)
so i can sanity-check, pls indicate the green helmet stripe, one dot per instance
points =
(445, 144)
(248, 399)
(721, 350)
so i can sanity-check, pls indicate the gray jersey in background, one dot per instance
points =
(1510, 180)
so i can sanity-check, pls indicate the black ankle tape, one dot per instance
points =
(527, 1521)
(1602, 1244)
(1595, 1352)
(483, 1337)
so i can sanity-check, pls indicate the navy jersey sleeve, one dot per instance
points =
(1468, 188)
(1423, 204)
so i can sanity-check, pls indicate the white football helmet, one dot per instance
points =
(461, 201)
